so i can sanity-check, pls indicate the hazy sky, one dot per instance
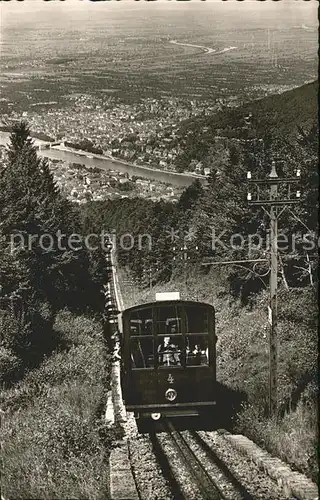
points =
(293, 8)
(206, 15)
(262, 6)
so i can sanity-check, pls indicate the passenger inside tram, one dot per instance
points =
(168, 353)
(197, 353)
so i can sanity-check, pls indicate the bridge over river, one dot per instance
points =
(55, 151)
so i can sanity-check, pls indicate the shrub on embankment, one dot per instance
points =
(242, 360)
(54, 440)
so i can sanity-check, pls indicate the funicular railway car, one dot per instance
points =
(169, 359)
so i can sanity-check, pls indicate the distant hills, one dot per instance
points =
(280, 113)
(283, 113)
(276, 115)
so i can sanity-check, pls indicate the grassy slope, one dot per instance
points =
(54, 440)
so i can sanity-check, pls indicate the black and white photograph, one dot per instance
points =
(159, 249)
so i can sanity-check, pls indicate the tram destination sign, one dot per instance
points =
(167, 296)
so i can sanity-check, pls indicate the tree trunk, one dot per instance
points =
(284, 279)
(309, 269)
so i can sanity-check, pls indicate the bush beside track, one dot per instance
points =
(55, 443)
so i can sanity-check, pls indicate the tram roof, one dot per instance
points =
(160, 303)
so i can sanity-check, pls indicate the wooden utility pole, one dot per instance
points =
(273, 294)
(273, 182)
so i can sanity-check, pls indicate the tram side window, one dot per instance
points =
(142, 352)
(197, 350)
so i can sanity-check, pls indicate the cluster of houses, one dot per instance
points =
(144, 132)
(81, 184)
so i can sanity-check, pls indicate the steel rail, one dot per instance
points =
(166, 467)
(207, 486)
(245, 495)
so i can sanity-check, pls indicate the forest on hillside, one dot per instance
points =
(177, 241)
(222, 207)
(276, 117)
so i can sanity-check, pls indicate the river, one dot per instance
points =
(71, 156)
(207, 50)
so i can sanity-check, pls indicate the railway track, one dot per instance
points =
(223, 467)
(203, 481)
(192, 474)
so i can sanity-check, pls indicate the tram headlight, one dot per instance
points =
(170, 394)
(155, 416)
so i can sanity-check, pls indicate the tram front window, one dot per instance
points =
(168, 321)
(196, 319)
(142, 352)
(197, 350)
(169, 351)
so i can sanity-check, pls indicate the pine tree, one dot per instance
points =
(20, 141)
(32, 213)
